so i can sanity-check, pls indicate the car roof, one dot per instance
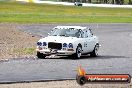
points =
(67, 27)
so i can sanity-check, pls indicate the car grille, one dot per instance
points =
(53, 45)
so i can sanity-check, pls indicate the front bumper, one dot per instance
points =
(56, 52)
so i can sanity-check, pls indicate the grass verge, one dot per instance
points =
(43, 13)
(25, 51)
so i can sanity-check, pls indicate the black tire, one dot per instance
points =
(78, 53)
(41, 55)
(81, 80)
(94, 53)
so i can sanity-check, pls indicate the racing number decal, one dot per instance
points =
(85, 44)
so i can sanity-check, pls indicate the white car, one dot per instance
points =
(68, 41)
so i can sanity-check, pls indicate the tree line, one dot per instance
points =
(119, 2)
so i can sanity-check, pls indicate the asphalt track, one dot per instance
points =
(115, 56)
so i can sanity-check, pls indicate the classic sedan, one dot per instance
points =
(68, 41)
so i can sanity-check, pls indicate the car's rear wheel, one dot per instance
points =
(94, 53)
(41, 55)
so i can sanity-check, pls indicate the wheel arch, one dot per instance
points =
(96, 43)
(79, 45)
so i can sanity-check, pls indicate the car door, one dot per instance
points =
(82, 40)
(89, 44)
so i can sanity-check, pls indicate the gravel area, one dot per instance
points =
(15, 43)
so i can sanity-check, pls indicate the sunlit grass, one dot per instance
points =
(43, 13)
(24, 51)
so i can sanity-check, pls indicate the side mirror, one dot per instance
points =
(90, 29)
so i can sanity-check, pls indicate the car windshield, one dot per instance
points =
(66, 32)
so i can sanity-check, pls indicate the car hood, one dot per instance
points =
(58, 39)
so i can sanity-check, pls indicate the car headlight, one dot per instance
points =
(39, 43)
(70, 45)
(44, 43)
(64, 45)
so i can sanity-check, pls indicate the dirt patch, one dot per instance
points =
(15, 43)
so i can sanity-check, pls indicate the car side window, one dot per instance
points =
(88, 33)
(79, 34)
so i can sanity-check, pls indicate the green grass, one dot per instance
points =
(43, 13)
(25, 51)
(29, 50)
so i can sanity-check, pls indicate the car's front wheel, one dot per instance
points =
(41, 55)
(78, 53)
(94, 53)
